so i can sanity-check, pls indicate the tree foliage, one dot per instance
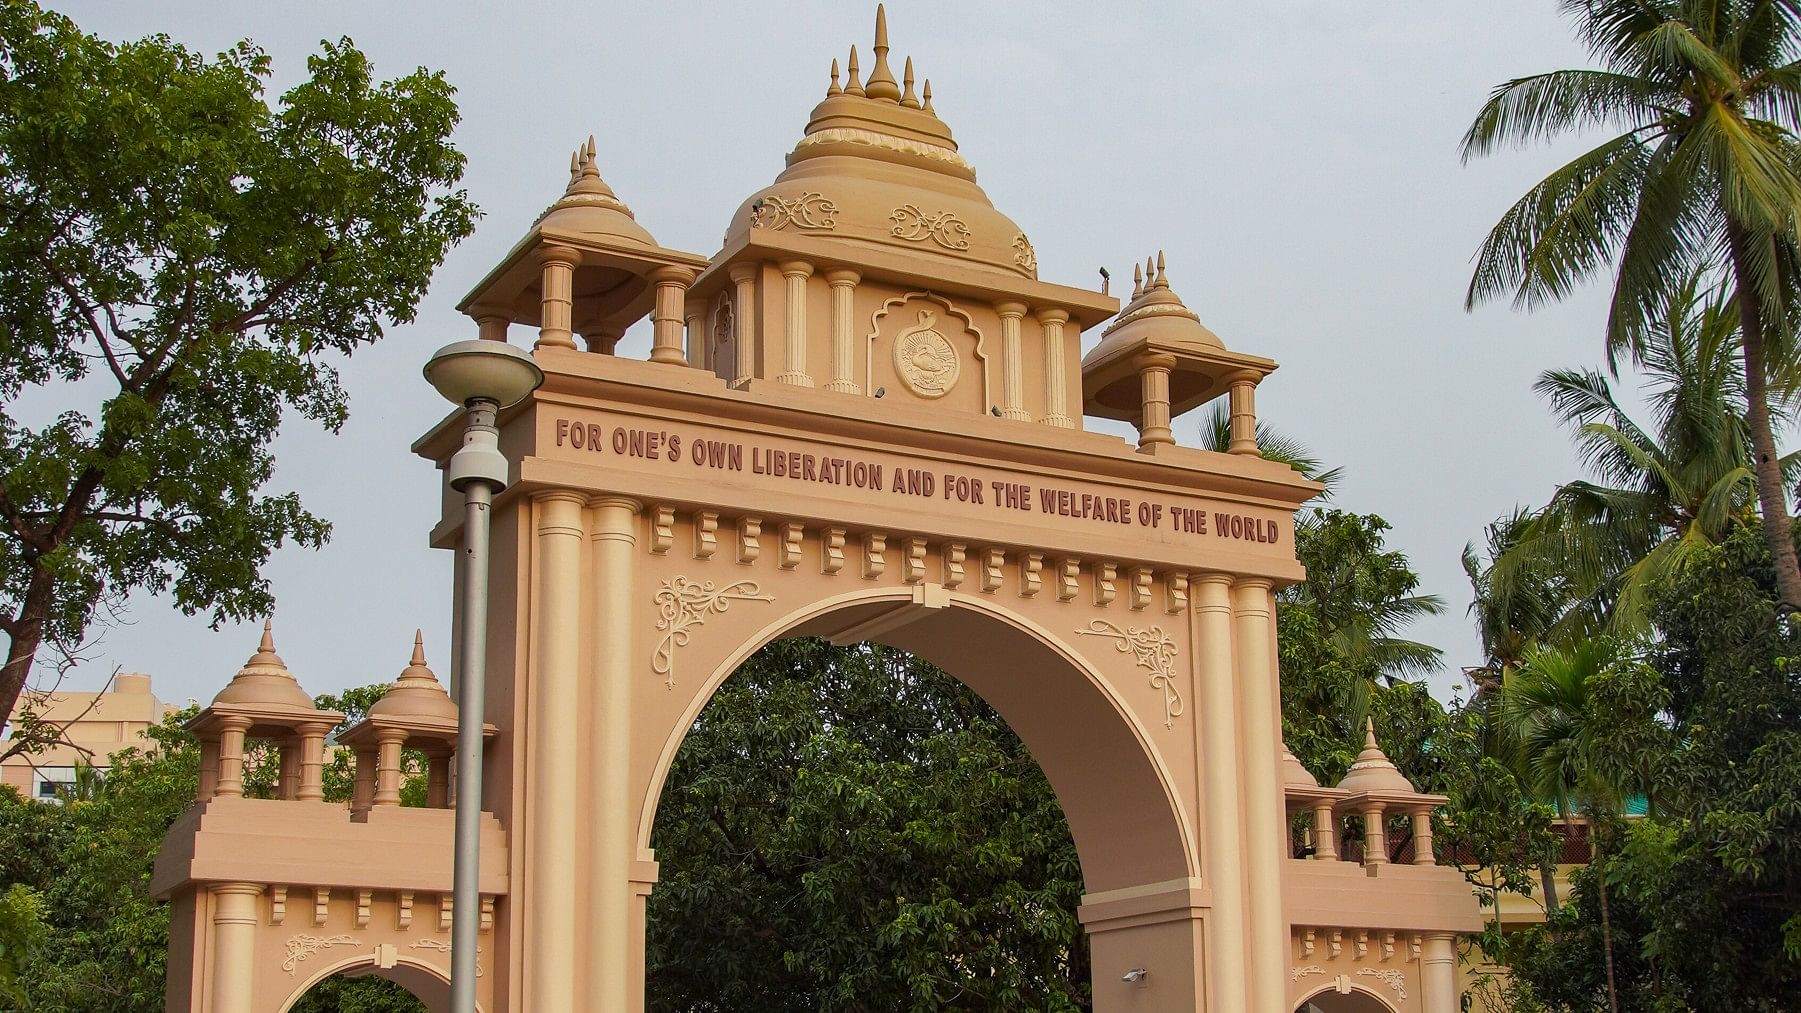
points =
(183, 263)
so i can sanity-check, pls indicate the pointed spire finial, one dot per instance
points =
(882, 84)
(588, 166)
(1137, 280)
(1150, 274)
(418, 647)
(1162, 279)
(834, 89)
(927, 105)
(853, 86)
(908, 99)
(268, 644)
(1369, 740)
(575, 165)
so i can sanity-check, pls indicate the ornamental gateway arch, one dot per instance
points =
(861, 419)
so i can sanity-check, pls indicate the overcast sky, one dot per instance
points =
(1296, 160)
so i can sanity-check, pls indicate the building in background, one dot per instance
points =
(96, 725)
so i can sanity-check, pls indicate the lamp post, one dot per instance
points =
(482, 377)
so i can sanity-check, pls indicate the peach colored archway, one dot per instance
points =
(428, 984)
(1123, 802)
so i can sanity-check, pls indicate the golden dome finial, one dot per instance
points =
(908, 99)
(834, 89)
(853, 86)
(882, 84)
(927, 105)
(418, 647)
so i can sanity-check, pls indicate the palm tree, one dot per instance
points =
(1516, 615)
(1702, 176)
(1659, 492)
(1216, 435)
(1557, 735)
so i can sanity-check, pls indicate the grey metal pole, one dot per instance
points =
(480, 440)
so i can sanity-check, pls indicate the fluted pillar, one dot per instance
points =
(1265, 818)
(1375, 836)
(613, 927)
(1325, 830)
(844, 337)
(557, 302)
(1056, 374)
(1438, 972)
(744, 316)
(699, 353)
(231, 755)
(1012, 363)
(666, 318)
(312, 762)
(1243, 401)
(387, 766)
(794, 356)
(1223, 861)
(552, 766)
(1422, 838)
(1153, 376)
(234, 946)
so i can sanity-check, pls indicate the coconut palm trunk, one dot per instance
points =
(1772, 497)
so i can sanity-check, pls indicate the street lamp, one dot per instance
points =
(482, 377)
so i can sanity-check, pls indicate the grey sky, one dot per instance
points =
(1296, 160)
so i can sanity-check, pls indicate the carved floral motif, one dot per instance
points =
(1301, 972)
(811, 211)
(943, 228)
(302, 946)
(1392, 978)
(1024, 255)
(440, 946)
(683, 604)
(1153, 651)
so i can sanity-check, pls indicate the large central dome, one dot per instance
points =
(877, 166)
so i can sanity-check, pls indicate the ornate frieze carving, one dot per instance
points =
(811, 211)
(683, 604)
(1152, 650)
(1024, 255)
(1391, 977)
(1301, 972)
(440, 946)
(925, 359)
(943, 227)
(301, 947)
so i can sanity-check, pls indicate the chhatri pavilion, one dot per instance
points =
(862, 418)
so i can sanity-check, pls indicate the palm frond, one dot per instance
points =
(1532, 109)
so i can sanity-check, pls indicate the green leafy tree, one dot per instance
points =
(1662, 490)
(1515, 614)
(1701, 99)
(183, 263)
(852, 829)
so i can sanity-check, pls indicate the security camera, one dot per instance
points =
(1135, 976)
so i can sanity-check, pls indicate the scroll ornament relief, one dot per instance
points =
(925, 359)
(811, 211)
(943, 228)
(1024, 255)
(1301, 972)
(1392, 978)
(683, 604)
(1152, 650)
(440, 946)
(304, 945)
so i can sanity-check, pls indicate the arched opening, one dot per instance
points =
(1356, 1000)
(359, 986)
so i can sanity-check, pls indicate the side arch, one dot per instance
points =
(426, 981)
(1124, 812)
(1354, 998)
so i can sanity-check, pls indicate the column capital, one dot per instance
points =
(843, 276)
(744, 271)
(1051, 315)
(1010, 309)
(672, 274)
(615, 500)
(1155, 360)
(559, 496)
(796, 268)
(566, 255)
(237, 889)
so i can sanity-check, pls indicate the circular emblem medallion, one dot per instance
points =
(925, 359)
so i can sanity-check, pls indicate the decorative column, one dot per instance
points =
(1375, 834)
(234, 946)
(1265, 821)
(1325, 830)
(553, 761)
(699, 353)
(1219, 776)
(1244, 414)
(491, 322)
(437, 779)
(744, 306)
(602, 339)
(312, 762)
(1153, 375)
(1012, 368)
(796, 273)
(844, 340)
(1422, 838)
(613, 931)
(362, 785)
(666, 318)
(1438, 972)
(558, 300)
(231, 755)
(387, 766)
(1056, 379)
